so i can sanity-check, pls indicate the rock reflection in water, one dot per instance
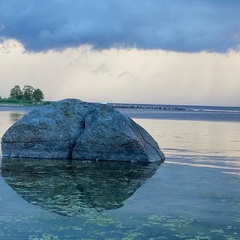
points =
(69, 187)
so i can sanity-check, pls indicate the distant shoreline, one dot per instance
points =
(22, 104)
(152, 107)
(137, 106)
(114, 105)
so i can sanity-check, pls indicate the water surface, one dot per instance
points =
(193, 195)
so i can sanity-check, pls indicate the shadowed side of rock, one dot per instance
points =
(78, 130)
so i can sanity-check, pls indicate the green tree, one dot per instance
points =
(28, 92)
(37, 95)
(16, 93)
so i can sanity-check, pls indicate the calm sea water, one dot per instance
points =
(194, 195)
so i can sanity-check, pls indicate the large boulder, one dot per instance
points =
(74, 129)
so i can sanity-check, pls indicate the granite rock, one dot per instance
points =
(74, 129)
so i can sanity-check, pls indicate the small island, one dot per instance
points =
(27, 96)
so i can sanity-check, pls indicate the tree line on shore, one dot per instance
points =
(26, 94)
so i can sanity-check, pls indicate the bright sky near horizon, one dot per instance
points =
(155, 51)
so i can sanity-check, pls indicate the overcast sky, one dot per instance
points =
(154, 51)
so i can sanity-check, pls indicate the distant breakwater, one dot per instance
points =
(152, 107)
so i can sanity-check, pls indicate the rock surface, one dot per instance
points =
(74, 129)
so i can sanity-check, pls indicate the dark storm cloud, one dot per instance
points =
(183, 25)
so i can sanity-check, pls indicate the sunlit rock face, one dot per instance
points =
(74, 129)
(70, 187)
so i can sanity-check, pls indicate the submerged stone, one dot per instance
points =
(74, 129)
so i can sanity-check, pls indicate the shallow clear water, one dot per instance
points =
(193, 195)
